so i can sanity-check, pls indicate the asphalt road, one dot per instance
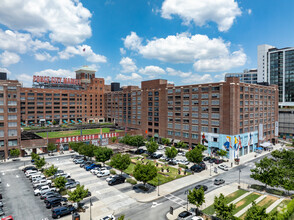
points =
(158, 208)
(18, 195)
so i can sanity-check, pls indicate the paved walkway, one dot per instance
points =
(274, 205)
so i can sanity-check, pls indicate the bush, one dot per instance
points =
(275, 192)
(112, 172)
(145, 155)
(258, 187)
(131, 181)
(183, 166)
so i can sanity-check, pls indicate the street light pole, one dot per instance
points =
(158, 185)
(239, 176)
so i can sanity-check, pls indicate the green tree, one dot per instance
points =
(222, 153)
(145, 173)
(113, 139)
(59, 182)
(87, 150)
(151, 146)
(181, 145)
(196, 197)
(171, 152)
(102, 154)
(195, 155)
(75, 146)
(256, 212)
(122, 217)
(78, 194)
(165, 141)
(14, 152)
(51, 147)
(40, 162)
(120, 161)
(137, 140)
(54, 122)
(222, 210)
(266, 172)
(35, 156)
(50, 171)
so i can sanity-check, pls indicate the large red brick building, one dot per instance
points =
(225, 115)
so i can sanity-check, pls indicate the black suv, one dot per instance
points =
(201, 186)
(61, 211)
(53, 202)
(197, 168)
(116, 180)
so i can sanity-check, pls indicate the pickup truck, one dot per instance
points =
(43, 189)
(42, 183)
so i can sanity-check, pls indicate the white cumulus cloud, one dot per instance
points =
(197, 78)
(25, 79)
(65, 21)
(132, 77)
(57, 73)
(45, 56)
(82, 50)
(185, 48)
(128, 65)
(152, 71)
(173, 72)
(222, 12)
(8, 58)
(132, 41)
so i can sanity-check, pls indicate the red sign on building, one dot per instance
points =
(85, 137)
(56, 80)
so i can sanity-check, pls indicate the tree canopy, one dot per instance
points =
(145, 173)
(50, 171)
(35, 156)
(14, 152)
(40, 162)
(195, 155)
(102, 154)
(151, 146)
(222, 209)
(165, 141)
(51, 147)
(87, 150)
(181, 145)
(222, 153)
(75, 145)
(136, 140)
(59, 182)
(78, 194)
(120, 161)
(196, 197)
(256, 212)
(171, 152)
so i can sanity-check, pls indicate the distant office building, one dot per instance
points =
(115, 86)
(3, 76)
(248, 76)
(276, 66)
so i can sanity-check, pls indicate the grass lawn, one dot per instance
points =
(59, 134)
(282, 205)
(267, 201)
(162, 177)
(246, 201)
(231, 197)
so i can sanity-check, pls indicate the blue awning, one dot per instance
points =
(65, 122)
(49, 122)
(72, 121)
(80, 121)
(259, 148)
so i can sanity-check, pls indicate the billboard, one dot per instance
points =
(56, 80)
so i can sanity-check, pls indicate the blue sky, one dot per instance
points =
(183, 41)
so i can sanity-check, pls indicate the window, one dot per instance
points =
(12, 110)
(12, 124)
(204, 115)
(204, 102)
(12, 102)
(185, 135)
(215, 102)
(194, 128)
(194, 121)
(12, 132)
(195, 89)
(170, 133)
(169, 125)
(1, 110)
(2, 133)
(215, 115)
(195, 115)
(177, 126)
(170, 91)
(204, 122)
(216, 123)
(194, 136)
(204, 96)
(12, 143)
(1, 117)
(177, 133)
(12, 117)
(186, 127)
(204, 129)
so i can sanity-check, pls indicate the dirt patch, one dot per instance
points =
(268, 200)
(256, 193)
(232, 195)
(240, 203)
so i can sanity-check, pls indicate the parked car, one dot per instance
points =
(197, 168)
(173, 162)
(79, 161)
(97, 169)
(31, 172)
(212, 160)
(108, 217)
(140, 151)
(43, 190)
(217, 161)
(70, 185)
(184, 215)
(37, 179)
(219, 181)
(206, 158)
(53, 202)
(42, 197)
(203, 186)
(116, 180)
(56, 195)
(2, 212)
(86, 163)
(223, 167)
(62, 211)
(197, 218)
(7, 217)
(59, 171)
(42, 183)
(92, 166)
(29, 168)
(181, 153)
(156, 155)
(66, 175)
(109, 178)
(183, 162)
(1, 204)
(103, 173)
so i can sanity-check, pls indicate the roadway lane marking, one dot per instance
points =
(175, 199)
(7, 185)
(154, 204)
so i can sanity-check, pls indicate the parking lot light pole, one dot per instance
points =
(158, 185)
(239, 176)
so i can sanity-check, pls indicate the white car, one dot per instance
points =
(30, 172)
(108, 217)
(184, 162)
(42, 189)
(98, 170)
(197, 218)
(103, 173)
(182, 153)
(109, 178)
(42, 183)
(223, 167)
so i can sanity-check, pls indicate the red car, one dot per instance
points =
(7, 218)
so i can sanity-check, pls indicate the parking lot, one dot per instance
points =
(18, 196)
(105, 199)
